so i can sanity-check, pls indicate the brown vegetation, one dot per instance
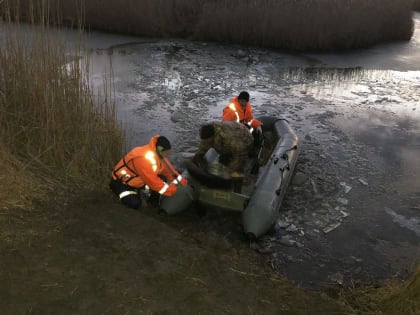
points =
(54, 134)
(392, 298)
(404, 297)
(416, 5)
(314, 25)
(284, 24)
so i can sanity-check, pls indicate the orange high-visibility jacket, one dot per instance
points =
(234, 111)
(142, 165)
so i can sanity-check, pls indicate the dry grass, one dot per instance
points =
(402, 298)
(395, 297)
(282, 24)
(54, 133)
(19, 187)
(309, 25)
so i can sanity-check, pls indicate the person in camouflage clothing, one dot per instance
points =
(231, 140)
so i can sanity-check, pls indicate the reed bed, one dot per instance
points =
(394, 297)
(55, 134)
(402, 298)
(309, 25)
(416, 5)
(320, 25)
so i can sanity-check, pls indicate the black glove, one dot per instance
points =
(154, 199)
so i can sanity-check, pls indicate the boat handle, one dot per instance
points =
(287, 167)
(292, 148)
(281, 169)
(278, 190)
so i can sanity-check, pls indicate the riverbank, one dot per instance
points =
(95, 256)
(326, 25)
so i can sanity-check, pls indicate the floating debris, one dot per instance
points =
(291, 228)
(344, 213)
(299, 245)
(283, 224)
(314, 187)
(346, 187)
(412, 224)
(286, 241)
(332, 227)
(363, 181)
(337, 278)
(343, 201)
(357, 259)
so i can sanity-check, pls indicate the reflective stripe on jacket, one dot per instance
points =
(142, 165)
(234, 111)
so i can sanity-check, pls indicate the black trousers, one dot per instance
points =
(128, 195)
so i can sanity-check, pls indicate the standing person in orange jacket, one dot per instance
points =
(144, 168)
(239, 110)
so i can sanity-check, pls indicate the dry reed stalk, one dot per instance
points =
(286, 24)
(307, 25)
(403, 298)
(19, 188)
(51, 123)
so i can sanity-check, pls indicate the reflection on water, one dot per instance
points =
(412, 224)
(397, 140)
(393, 91)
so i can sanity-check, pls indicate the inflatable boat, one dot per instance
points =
(259, 194)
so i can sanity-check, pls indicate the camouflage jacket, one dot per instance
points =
(230, 138)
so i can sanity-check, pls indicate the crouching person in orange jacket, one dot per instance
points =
(146, 167)
(239, 109)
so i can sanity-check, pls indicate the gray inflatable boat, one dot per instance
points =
(259, 195)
